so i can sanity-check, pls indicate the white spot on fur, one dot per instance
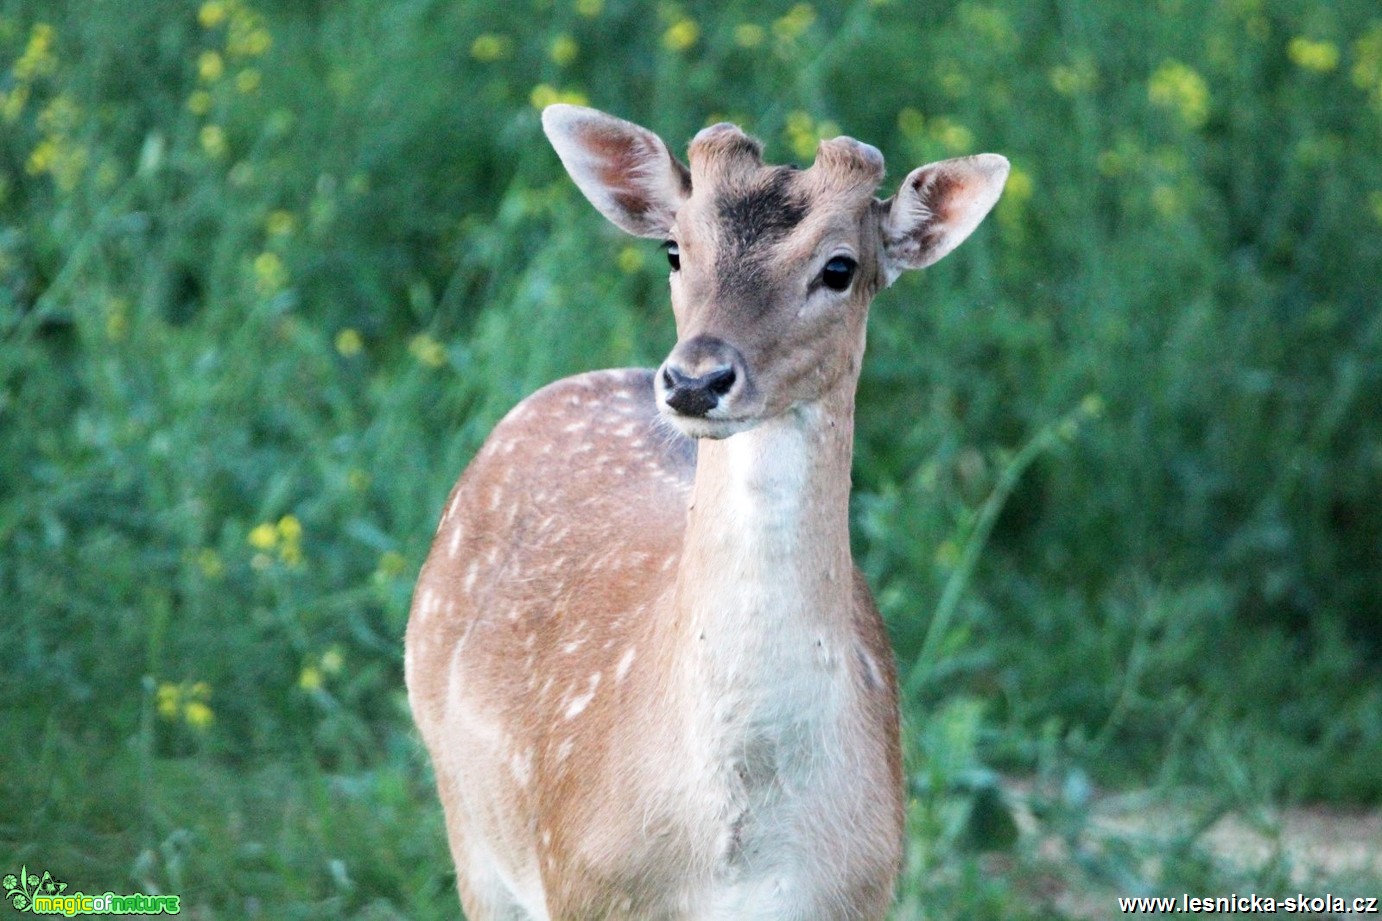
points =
(621, 670)
(577, 706)
(427, 604)
(521, 766)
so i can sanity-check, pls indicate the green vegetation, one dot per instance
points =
(270, 271)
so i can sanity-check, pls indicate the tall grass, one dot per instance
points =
(269, 272)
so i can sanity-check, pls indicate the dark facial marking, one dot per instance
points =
(753, 220)
(766, 213)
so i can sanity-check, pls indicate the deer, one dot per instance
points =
(651, 681)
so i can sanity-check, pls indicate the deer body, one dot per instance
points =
(652, 682)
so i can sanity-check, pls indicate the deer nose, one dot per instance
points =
(699, 374)
(696, 396)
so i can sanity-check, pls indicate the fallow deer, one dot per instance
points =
(652, 682)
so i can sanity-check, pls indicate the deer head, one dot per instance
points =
(772, 267)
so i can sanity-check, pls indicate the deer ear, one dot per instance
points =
(938, 206)
(623, 169)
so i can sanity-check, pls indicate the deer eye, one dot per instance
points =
(673, 255)
(838, 273)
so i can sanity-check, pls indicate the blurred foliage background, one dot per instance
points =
(270, 271)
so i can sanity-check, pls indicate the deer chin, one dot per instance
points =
(705, 426)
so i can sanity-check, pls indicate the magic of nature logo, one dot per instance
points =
(46, 895)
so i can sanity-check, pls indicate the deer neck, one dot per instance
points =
(764, 589)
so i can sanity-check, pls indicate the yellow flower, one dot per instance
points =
(333, 661)
(748, 35)
(38, 59)
(1179, 89)
(269, 274)
(186, 701)
(210, 67)
(490, 47)
(248, 37)
(563, 50)
(987, 25)
(544, 95)
(349, 342)
(41, 157)
(427, 350)
(212, 14)
(209, 562)
(198, 714)
(280, 223)
(168, 700)
(953, 136)
(630, 259)
(213, 140)
(794, 24)
(1016, 193)
(1166, 200)
(248, 80)
(681, 35)
(199, 103)
(310, 679)
(1321, 57)
(14, 103)
(290, 529)
(358, 480)
(289, 533)
(263, 536)
(803, 134)
(392, 565)
(1019, 185)
(1072, 79)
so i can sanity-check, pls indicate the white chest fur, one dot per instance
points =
(764, 633)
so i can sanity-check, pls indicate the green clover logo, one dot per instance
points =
(20, 890)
